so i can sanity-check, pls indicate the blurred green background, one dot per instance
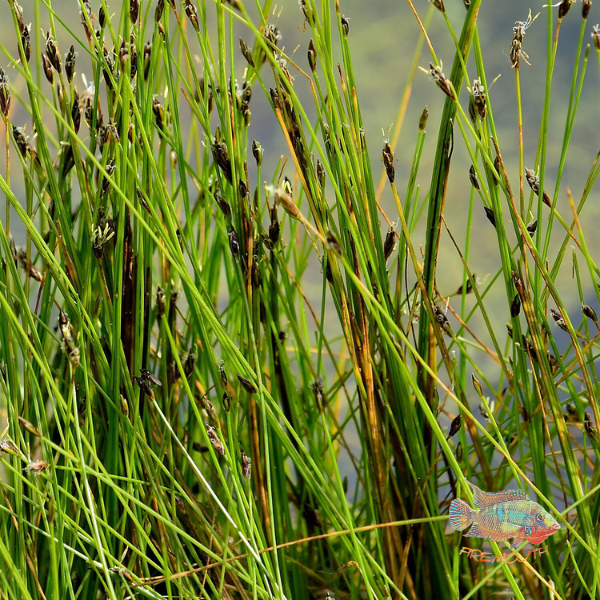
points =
(383, 37)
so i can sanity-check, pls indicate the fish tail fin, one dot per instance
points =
(461, 514)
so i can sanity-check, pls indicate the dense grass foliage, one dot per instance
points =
(223, 381)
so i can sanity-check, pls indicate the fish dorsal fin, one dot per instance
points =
(482, 499)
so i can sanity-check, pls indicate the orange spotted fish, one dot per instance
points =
(503, 515)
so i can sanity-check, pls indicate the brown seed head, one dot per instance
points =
(473, 178)
(589, 312)
(515, 306)
(192, 14)
(564, 8)
(388, 161)
(26, 42)
(134, 10)
(585, 10)
(390, 243)
(70, 59)
(312, 55)
(559, 320)
(439, 4)
(442, 81)
(158, 13)
(247, 53)
(479, 98)
(596, 36)
(48, 69)
(345, 22)
(4, 94)
(102, 17)
(489, 213)
(52, 52)
(257, 152)
(246, 464)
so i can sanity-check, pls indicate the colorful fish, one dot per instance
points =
(503, 515)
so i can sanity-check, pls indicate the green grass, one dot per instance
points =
(225, 378)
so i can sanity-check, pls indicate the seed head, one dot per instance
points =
(318, 389)
(26, 41)
(52, 52)
(9, 448)
(28, 266)
(247, 53)
(441, 318)
(147, 59)
(283, 198)
(247, 385)
(559, 320)
(476, 385)
(30, 427)
(442, 81)
(159, 112)
(134, 10)
(234, 243)
(102, 17)
(192, 14)
(534, 183)
(312, 55)
(274, 228)
(211, 432)
(479, 98)
(161, 302)
(100, 236)
(158, 13)
(257, 152)
(4, 94)
(423, 119)
(515, 306)
(455, 426)
(532, 227)
(473, 178)
(76, 112)
(596, 36)
(489, 213)
(345, 21)
(589, 426)
(19, 15)
(321, 173)
(516, 48)
(87, 10)
(390, 243)
(246, 464)
(221, 157)
(70, 59)
(20, 140)
(69, 345)
(272, 34)
(589, 312)
(564, 8)
(47, 69)
(587, 6)
(36, 467)
(439, 4)
(388, 161)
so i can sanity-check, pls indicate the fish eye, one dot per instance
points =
(540, 517)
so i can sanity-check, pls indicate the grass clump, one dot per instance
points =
(221, 377)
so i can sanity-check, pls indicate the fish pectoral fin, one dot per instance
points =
(511, 527)
(517, 542)
(475, 532)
